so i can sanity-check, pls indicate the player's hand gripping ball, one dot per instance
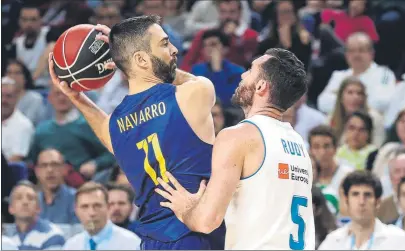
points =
(80, 59)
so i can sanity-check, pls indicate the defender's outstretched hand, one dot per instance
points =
(180, 200)
(103, 35)
(62, 85)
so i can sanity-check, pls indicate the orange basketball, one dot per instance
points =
(79, 58)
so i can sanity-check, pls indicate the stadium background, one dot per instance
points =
(216, 39)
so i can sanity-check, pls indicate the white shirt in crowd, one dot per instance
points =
(16, 135)
(385, 237)
(308, 118)
(7, 243)
(111, 237)
(397, 104)
(379, 81)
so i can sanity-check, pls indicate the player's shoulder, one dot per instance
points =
(198, 83)
(244, 132)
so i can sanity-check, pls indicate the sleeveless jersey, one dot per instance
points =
(150, 135)
(272, 208)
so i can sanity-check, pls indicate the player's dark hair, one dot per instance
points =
(128, 190)
(129, 36)
(362, 177)
(367, 120)
(216, 33)
(322, 130)
(287, 77)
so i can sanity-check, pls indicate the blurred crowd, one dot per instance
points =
(62, 188)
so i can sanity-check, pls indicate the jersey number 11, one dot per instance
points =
(144, 144)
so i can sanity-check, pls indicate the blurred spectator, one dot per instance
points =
(362, 192)
(176, 16)
(264, 9)
(157, 7)
(351, 97)
(225, 75)
(358, 137)
(79, 145)
(17, 130)
(32, 232)
(118, 176)
(288, 33)
(112, 93)
(378, 80)
(322, 143)
(325, 222)
(397, 104)
(207, 14)
(120, 204)
(307, 118)
(55, 13)
(107, 14)
(56, 199)
(389, 210)
(7, 243)
(243, 40)
(30, 102)
(400, 222)
(218, 116)
(311, 7)
(34, 44)
(8, 180)
(354, 19)
(377, 160)
(100, 233)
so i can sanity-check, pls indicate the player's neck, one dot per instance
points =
(362, 232)
(268, 111)
(140, 84)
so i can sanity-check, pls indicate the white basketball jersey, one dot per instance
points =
(272, 209)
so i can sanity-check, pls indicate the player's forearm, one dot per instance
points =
(182, 77)
(203, 220)
(93, 114)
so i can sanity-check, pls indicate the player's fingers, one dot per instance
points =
(166, 204)
(166, 186)
(202, 188)
(103, 38)
(164, 194)
(103, 28)
(110, 65)
(175, 183)
(54, 78)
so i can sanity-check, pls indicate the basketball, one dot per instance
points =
(79, 58)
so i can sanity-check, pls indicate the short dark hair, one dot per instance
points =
(124, 188)
(322, 130)
(362, 177)
(401, 182)
(367, 120)
(90, 187)
(216, 33)
(128, 37)
(287, 76)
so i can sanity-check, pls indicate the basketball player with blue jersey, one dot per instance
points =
(163, 124)
(261, 172)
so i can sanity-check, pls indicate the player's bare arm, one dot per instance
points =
(207, 213)
(97, 118)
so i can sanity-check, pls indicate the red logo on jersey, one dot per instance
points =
(283, 171)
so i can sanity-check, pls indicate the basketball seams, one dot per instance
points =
(64, 59)
(81, 47)
(106, 76)
(85, 68)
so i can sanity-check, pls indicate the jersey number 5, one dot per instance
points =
(297, 219)
(144, 144)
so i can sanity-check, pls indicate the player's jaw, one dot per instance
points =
(243, 96)
(164, 71)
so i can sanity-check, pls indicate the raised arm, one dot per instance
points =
(97, 118)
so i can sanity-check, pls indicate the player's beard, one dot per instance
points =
(163, 71)
(243, 96)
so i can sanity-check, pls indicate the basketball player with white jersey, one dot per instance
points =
(261, 172)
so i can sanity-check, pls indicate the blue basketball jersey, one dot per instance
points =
(150, 135)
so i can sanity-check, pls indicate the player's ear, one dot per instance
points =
(141, 59)
(262, 86)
